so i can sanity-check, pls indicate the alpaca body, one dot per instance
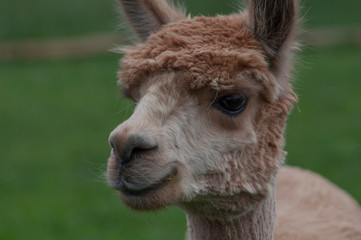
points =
(213, 97)
(307, 205)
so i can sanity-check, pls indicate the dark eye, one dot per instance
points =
(232, 104)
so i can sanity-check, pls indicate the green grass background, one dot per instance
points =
(56, 114)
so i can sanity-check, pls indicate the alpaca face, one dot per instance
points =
(185, 139)
(212, 100)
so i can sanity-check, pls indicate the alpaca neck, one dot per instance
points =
(255, 224)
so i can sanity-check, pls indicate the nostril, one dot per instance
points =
(135, 151)
(137, 144)
(114, 142)
(126, 149)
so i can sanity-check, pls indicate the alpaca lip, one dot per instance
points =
(162, 182)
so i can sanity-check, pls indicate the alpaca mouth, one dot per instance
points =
(128, 190)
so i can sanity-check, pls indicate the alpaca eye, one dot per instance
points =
(232, 104)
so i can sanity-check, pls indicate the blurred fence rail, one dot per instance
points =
(59, 48)
(101, 43)
(331, 36)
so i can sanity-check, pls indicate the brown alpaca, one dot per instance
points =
(212, 100)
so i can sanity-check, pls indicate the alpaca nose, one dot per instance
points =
(125, 148)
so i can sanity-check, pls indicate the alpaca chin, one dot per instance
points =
(152, 188)
(154, 199)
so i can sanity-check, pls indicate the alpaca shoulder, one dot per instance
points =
(308, 204)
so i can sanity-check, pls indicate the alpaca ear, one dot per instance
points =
(147, 16)
(273, 23)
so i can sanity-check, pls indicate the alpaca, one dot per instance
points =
(212, 98)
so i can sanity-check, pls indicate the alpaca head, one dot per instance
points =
(212, 98)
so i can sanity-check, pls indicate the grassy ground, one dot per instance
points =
(51, 18)
(55, 117)
(326, 135)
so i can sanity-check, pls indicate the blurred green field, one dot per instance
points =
(55, 117)
(51, 18)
